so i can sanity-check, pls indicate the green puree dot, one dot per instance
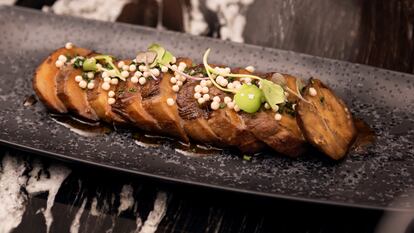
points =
(248, 98)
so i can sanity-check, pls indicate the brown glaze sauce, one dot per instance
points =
(365, 135)
(81, 127)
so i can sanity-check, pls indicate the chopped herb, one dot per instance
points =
(222, 105)
(247, 157)
(121, 91)
(132, 89)
(322, 99)
(78, 63)
(287, 108)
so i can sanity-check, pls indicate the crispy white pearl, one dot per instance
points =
(124, 73)
(146, 74)
(112, 73)
(111, 101)
(227, 99)
(206, 97)
(170, 101)
(91, 85)
(142, 80)
(201, 100)
(125, 67)
(91, 75)
(59, 63)
(164, 69)
(230, 86)
(83, 84)
(219, 79)
(236, 85)
(198, 88)
(227, 70)
(174, 67)
(107, 79)
(98, 66)
(173, 80)
(173, 60)
(278, 117)
(204, 90)
(203, 83)
(215, 105)
(78, 78)
(236, 108)
(267, 106)
(106, 86)
(175, 88)
(312, 91)
(216, 99)
(197, 95)
(114, 81)
(224, 82)
(247, 80)
(276, 108)
(209, 83)
(251, 69)
(182, 66)
(111, 94)
(134, 79)
(179, 83)
(155, 72)
(105, 74)
(121, 64)
(62, 58)
(138, 73)
(230, 105)
(68, 45)
(132, 68)
(141, 68)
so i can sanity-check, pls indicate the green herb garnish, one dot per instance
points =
(78, 62)
(247, 157)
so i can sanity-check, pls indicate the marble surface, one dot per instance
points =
(44, 195)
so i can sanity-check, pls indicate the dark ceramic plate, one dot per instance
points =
(371, 178)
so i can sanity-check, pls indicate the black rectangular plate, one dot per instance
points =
(373, 178)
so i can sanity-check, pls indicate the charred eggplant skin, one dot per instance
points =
(325, 120)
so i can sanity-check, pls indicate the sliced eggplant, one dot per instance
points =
(44, 81)
(325, 120)
(74, 98)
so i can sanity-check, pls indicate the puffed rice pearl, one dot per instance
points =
(142, 81)
(164, 69)
(174, 67)
(107, 79)
(203, 83)
(59, 63)
(173, 60)
(216, 99)
(230, 105)
(209, 83)
(132, 68)
(138, 74)
(170, 101)
(215, 105)
(267, 106)
(179, 83)
(124, 73)
(204, 90)
(83, 84)
(276, 108)
(114, 81)
(201, 100)
(219, 79)
(175, 88)
(78, 78)
(278, 117)
(134, 79)
(197, 95)
(68, 45)
(105, 74)
(106, 86)
(111, 101)
(141, 68)
(182, 66)
(227, 99)
(206, 97)
(90, 75)
(173, 80)
(312, 91)
(250, 69)
(98, 66)
(230, 86)
(91, 85)
(125, 67)
(121, 64)
(236, 108)
(198, 88)
(155, 72)
(62, 58)
(146, 74)
(224, 82)
(111, 94)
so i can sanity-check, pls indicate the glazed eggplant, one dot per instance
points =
(325, 120)
(218, 106)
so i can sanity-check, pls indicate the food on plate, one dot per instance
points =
(210, 104)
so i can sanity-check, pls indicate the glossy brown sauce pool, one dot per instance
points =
(81, 127)
(365, 135)
(187, 149)
(29, 101)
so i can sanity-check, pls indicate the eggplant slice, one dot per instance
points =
(325, 121)
(44, 81)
